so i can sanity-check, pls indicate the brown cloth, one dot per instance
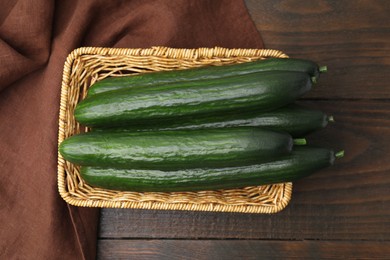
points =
(35, 38)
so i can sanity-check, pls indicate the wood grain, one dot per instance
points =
(238, 249)
(350, 200)
(351, 37)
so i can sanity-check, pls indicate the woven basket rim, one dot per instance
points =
(166, 52)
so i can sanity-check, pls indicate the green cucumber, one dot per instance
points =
(294, 119)
(202, 73)
(176, 149)
(263, 91)
(302, 162)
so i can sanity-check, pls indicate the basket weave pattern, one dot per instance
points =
(85, 66)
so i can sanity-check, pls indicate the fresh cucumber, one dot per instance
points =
(294, 119)
(176, 149)
(205, 73)
(263, 91)
(302, 162)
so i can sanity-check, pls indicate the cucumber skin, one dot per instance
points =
(176, 149)
(294, 119)
(303, 161)
(202, 73)
(263, 91)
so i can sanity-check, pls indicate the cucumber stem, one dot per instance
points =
(323, 69)
(300, 141)
(339, 154)
(331, 119)
(314, 80)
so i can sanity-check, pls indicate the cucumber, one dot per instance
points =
(263, 91)
(297, 120)
(176, 149)
(302, 162)
(208, 72)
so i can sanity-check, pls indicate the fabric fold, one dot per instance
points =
(25, 35)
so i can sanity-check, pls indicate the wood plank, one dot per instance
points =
(350, 201)
(351, 37)
(238, 249)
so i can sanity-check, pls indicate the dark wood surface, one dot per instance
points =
(339, 213)
(241, 249)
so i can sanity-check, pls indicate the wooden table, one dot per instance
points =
(342, 212)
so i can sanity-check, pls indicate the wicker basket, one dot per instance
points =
(84, 66)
